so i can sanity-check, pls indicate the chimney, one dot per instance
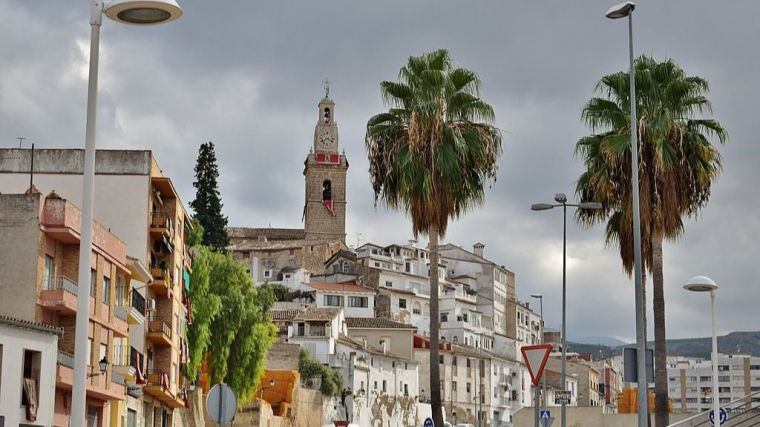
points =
(478, 249)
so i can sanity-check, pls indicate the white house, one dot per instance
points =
(356, 301)
(28, 355)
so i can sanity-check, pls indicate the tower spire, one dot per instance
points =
(326, 85)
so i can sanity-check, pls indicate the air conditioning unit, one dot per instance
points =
(150, 304)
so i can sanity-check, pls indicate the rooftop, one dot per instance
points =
(35, 326)
(347, 287)
(373, 323)
(314, 313)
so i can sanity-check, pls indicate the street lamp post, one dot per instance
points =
(623, 10)
(543, 377)
(706, 284)
(144, 12)
(561, 200)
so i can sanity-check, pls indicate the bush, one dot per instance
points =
(331, 380)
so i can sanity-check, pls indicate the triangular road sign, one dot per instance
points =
(535, 357)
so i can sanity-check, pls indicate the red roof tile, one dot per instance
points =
(349, 287)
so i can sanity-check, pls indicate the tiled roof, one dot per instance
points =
(283, 314)
(269, 233)
(373, 323)
(349, 287)
(42, 327)
(314, 313)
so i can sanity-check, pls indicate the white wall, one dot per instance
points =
(14, 341)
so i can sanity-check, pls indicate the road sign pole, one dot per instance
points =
(535, 388)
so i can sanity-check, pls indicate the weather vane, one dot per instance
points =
(326, 85)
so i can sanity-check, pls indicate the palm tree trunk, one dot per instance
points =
(661, 415)
(435, 375)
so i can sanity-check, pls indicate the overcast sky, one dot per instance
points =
(248, 75)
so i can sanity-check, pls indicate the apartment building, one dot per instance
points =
(28, 354)
(690, 382)
(137, 202)
(39, 277)
(494, 283)
(474, 382)
(527, 326)
(587, 376)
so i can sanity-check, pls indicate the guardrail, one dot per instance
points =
(120, 313)
(65, 359)
(65, 284)
(744, 409)
(138, 302)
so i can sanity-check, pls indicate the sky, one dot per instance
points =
(248, 75)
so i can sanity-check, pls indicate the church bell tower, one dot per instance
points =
(325, 178)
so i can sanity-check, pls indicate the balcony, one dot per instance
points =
(100, 386)
(158, 385)
(60, 295)
(122, 363)
(136, 315)
(162, 281)
(459, 295)
(160, 224)
(159, 331)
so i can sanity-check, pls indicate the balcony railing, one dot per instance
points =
(138, 302)
(66, 359)
(118, 378)
(63, 283)
(157, 324)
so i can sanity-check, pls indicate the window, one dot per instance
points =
(333, 301)
(468, 387)
(388, 283)
(401, 303)
(301, 329)
(49, 272)
(344, 267)
(267, 273)
(358, 302)
(377, 264)
(456, 338)
(440, 359)
(327, 190)
(89, 351)
(468, 362)
(106, 289)
(93, 284)
(407, 267)
(384, 386)
(31, 379)
(121, 294)
(444, 317)
(375, 385)
(453, 386)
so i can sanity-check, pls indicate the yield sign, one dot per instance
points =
(535, 357)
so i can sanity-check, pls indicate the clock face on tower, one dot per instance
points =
(326, 139)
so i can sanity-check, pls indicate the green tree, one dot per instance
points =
(208, 204)
(430, 155)
(231, 328)
(677, 167)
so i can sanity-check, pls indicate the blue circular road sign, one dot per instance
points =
(723, 416)
(428, 422)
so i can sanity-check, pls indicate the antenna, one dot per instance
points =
(20, 140)
(326, 85)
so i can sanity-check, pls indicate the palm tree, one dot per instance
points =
(430, 155)
(677, 165)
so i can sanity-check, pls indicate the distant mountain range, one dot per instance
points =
(732, 343)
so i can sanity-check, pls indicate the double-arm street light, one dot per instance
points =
(624, 10)
(138, 12)
(706, 284)
(561, 200)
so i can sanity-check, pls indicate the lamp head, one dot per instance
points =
(539, 296)
(560, 198)
(103, 365)
(540, 206)
(590, 205)
(700, 284)
(621, 10)
(143, 12)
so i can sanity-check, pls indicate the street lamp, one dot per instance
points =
(561, 200)
(145, 12)
(543, 377)
(706, 284)
(623, 10)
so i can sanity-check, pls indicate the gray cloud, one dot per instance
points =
(247, 75)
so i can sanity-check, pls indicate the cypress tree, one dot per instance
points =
(208, 204)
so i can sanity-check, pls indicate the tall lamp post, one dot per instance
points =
(145, 12)
(623, 10)
(543, 377)
(706, 284)
(561, 200)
